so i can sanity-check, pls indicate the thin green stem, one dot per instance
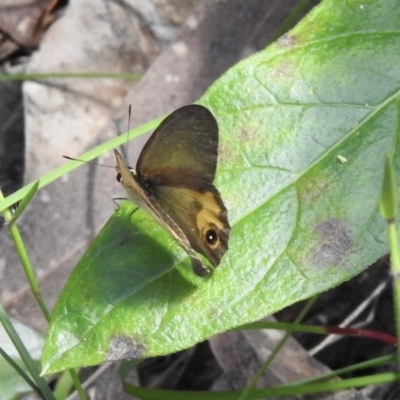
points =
(388, 208)
(319, 330)
(64, 384)
(395, 266)
(30, 276)
(23, 257)
(269, 360)
(20, 371)
(25, 356)
(158, 394)
(394, 250)
(284, 326)
(77, 384)
(352, 368)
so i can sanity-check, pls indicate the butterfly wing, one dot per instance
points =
(187, 140)
(202, 217)
(178, 165)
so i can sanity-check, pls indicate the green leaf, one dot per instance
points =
(302, 220)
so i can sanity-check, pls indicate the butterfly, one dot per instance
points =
(173, 181)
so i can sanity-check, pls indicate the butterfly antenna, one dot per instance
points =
(88, 162)
(129, 127)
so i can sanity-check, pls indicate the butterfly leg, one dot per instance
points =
(198, 267)
(115, 199)
(133, 212)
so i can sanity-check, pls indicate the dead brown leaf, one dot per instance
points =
(23, 23)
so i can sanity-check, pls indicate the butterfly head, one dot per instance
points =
(124, 172)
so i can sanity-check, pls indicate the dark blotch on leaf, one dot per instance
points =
(335, 239)
(124, 348)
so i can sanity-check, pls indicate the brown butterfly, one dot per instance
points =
(173, 181)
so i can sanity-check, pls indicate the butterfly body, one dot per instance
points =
(173, 182)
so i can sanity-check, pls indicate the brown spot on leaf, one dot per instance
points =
(313, 189)
(124, 348)
(283, 70)
(287, 40)
(247, 134)
(335, 239)
(225, 153)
